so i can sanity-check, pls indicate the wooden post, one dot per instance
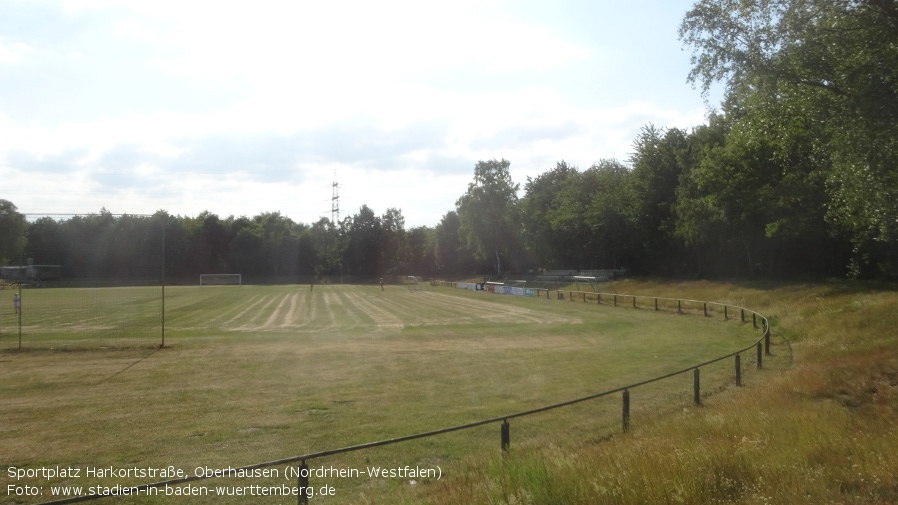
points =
(760, 356)
(742, 311)
(767, 341)
(626, 411)
(696, 388)
(679, 307)
(634, 302)
(738, 370)
(725, 315)
(705, 304)
(754, 319)
(615, 300)
(656, 304)
(506, 436)
(303, 482)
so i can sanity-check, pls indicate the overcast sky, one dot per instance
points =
(240, 108)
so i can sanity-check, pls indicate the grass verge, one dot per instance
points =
(818, 425)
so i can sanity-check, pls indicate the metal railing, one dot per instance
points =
(761, 347)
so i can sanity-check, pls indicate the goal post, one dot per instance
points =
(415, 283)
(221, 280)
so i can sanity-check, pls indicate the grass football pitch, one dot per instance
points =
(260, 373)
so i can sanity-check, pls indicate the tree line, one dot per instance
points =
(795, 175)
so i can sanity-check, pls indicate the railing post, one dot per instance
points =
(600, 299)
(615, 300)
(656, 304)
(725, 314)
(625, 417)
(705, 304)
(506, 436)
(696, 388)
(634, 302)
(302, 480)
(742, 312)
(760, 356)
(766, 340)
(738, 370)
(754, 319)
(679, 307)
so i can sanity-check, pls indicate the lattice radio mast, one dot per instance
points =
(335, 201)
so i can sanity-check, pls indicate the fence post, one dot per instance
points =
(599, 299)
(679, 307)
(634, 302)
(725, 314)
(506, 436)
(738, 370)
(615, 300)
(742, 311)
(696, 387)
(705, 304)
(760, 356)
(766, 340)
(626, 411)
(656, 304)
(302, 481)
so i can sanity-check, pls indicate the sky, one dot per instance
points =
(240, 108)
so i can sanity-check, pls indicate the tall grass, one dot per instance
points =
(818, 425)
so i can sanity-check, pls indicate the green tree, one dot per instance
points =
(607, 214)
(831, 65)
(450, 255)
(45, 242)
(12, 233)
(362, 255)
(393, 259)
(489, 224)
(658, 161)
(416, 253)
(552, 217)
(328, 245)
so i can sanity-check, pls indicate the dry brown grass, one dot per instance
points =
(817, 426)
(254, 374)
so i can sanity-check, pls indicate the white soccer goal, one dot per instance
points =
(220, 280)
(415, 283)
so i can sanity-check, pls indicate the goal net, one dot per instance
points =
(415, 283)
(221, 280)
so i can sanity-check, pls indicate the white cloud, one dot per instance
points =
(250, 107)
(12, 53)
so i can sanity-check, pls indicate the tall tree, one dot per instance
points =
(489, 224)
(12, 233)
(608, 214)
(392, 260)
(450, 255)
(658, 161)
(833, 64)
(552, 237)
(363, 244)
